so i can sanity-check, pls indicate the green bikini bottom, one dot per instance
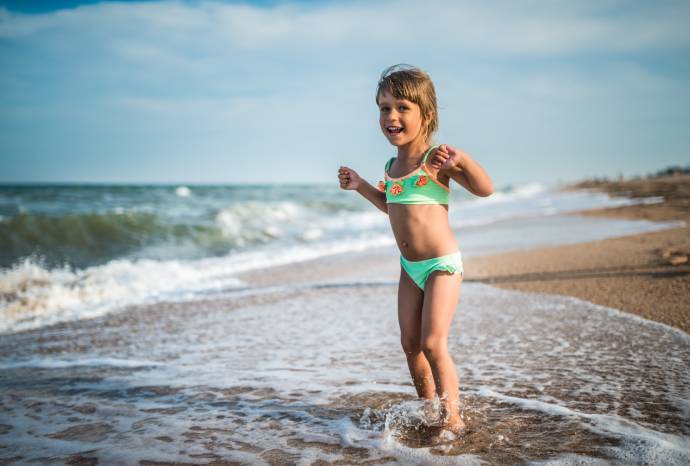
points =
(419, 271)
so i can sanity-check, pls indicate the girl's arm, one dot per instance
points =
(463, 169)
(349, 179)
(373, 195)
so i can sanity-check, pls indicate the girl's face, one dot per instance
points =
(400, 120)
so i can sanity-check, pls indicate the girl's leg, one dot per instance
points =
(410, 300)
(441, 296)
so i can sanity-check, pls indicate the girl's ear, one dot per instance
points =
(429, 118)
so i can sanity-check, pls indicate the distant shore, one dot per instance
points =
(646, 274)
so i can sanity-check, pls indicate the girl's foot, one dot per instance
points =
(456, 426)
(450, 433)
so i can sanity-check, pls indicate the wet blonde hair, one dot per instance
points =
(409, 82)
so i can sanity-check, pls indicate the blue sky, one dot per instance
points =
(278, 91)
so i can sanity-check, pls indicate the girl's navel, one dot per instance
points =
(404, 244)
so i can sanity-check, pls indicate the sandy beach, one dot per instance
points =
(646, 274)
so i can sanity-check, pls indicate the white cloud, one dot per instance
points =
(492, 26)
(227, 72)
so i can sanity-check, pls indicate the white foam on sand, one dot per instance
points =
(571, 460)
(32, 296)
(640, 443)
(66, 362)
(284, 369)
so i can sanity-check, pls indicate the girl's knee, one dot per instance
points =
(434, 346)
(410, 345)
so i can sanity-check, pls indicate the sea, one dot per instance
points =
(132, 332)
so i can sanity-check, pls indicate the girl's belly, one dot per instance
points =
(422, 231)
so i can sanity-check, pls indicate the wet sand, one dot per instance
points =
(646, 274)
(315, 375)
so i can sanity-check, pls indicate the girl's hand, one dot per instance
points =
(445, 157)
(349, 179)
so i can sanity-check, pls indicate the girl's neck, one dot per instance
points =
(413, 150)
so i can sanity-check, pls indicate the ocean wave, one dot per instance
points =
(254, 222)
(32, 295)
(82, 258)
(514, 193)
(86, 239)
(84, 227)
(183, 191)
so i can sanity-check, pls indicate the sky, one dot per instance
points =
(283, 91)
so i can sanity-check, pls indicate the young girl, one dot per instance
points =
(414, 194)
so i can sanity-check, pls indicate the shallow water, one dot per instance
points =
(312, 374)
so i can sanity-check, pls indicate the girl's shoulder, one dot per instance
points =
(440, 175)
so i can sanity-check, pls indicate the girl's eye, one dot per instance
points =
(403, 108)
(384, 109)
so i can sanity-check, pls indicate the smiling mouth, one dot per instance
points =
(393, 130)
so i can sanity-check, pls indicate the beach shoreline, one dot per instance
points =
(644, 274)
(640, 274)
(301, 361)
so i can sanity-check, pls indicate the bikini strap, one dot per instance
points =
(431, 149)
(388, 165)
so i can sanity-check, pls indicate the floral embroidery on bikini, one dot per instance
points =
(396, 189)
(382, 186)
(419, 186)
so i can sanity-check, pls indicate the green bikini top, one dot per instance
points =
(417, 187)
